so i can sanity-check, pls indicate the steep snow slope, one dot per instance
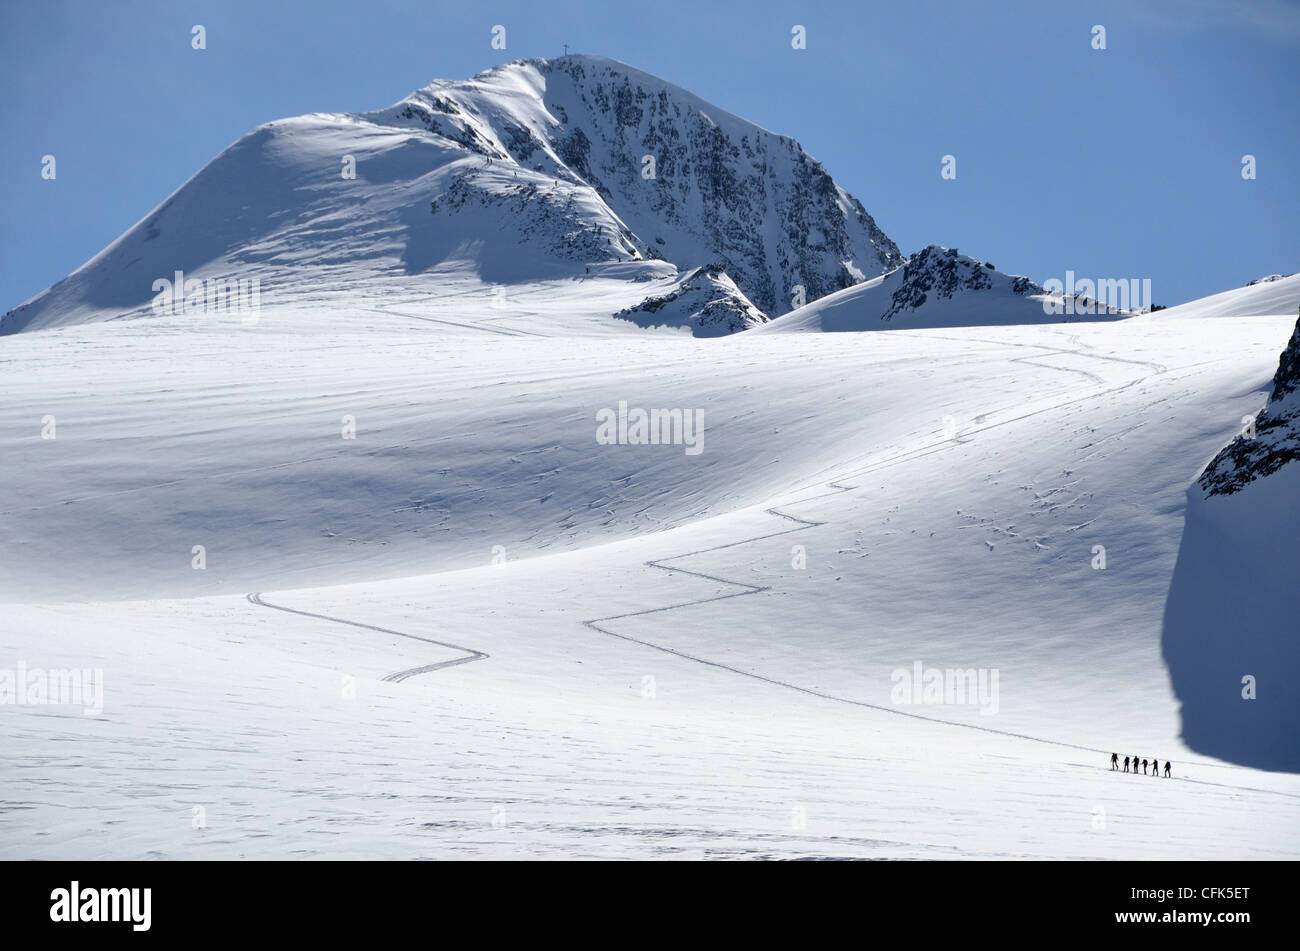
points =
(1233, 613)
(937, 287)
(533, 171)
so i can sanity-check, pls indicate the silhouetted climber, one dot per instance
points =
(1167, 766)
(1126, 764)
(1144, 767)
(1135, 766)
(1155, 767)
(1114, 761)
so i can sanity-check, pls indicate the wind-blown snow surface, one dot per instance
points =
(648, 674)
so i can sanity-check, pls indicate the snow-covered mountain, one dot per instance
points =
(1268, 296)
(705, 300)
(1232, 619)
(536, 170)
(939, 287)
(697, 184)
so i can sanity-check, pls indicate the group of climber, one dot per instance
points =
(1155, 765)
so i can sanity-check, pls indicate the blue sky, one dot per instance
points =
(1117, 163)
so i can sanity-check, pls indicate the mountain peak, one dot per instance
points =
(536, 169)
(694, 182)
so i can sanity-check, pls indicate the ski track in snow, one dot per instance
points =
(396, 676)
(609, 811)
(481, 326)
(803, 524)
(836, 487)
